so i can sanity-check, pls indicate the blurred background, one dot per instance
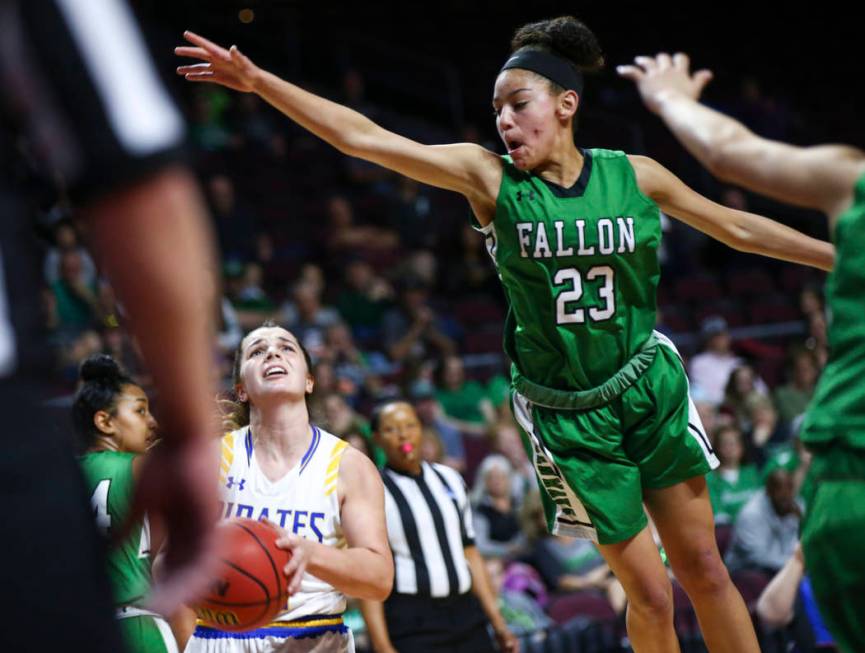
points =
(351, 257)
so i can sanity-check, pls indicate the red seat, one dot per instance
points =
(684, 617)
(771, 310)
(750, 282)
(474, 312)
(698, 289)
(476, 448)
(589, 604)
(750, 583)
(723, 535)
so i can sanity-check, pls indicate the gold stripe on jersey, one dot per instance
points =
(332, 471)
(311, 622)
(227, 456)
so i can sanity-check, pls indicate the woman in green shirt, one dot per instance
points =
(733, 483)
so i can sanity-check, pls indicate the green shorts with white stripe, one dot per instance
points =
(593, 465)
(145, 631)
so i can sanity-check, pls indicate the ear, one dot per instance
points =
(569, 102)
(310, 384)
(240, 393)
(102, 420)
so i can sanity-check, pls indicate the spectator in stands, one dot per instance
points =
(567, 564)
(465, 402)
(229, 330)
(818, 339)
(346, 237)
(236, 227)
(521, 596)
(254, 123)
(739, 392)
(791, 399)
(364, 300)
(788, 602)
(77, 299)
(469, 272)
(410, 214)
(251, 295)
(732, 484)
(811, 300)
(411, 330)
(66, 239)
(430, 412)
(765, 429)
(767, 528)
(307, 318)
(431, 448)
(497, 527)
(355, 370)
(325, 378)
(341, 419)
(795, 458)
(507, 441)
(710, 370)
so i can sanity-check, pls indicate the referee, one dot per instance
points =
(442, 599)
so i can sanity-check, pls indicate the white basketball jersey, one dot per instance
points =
(304, 501)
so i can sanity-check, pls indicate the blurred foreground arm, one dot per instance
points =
(153, 243)
(820, 177)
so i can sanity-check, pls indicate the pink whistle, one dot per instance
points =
(408, 447)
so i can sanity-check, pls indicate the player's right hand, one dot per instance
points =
(177, 487)
(229, 67)
(662, 76)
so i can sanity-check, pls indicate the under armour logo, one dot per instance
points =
(531, 195)
(231, 483)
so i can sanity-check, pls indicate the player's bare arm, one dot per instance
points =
(365, 569)
(740, 230)
(820, 177)
(466, 168)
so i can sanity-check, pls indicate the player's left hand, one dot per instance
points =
(661, 77)
(507, 641)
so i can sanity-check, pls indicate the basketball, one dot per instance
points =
(251, 588)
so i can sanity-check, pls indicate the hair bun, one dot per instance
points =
(101, 368)
(565, 36)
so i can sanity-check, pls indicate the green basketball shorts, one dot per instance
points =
(145, 632)
(593, 465)
(833, 541)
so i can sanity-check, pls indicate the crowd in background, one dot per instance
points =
(393, 294)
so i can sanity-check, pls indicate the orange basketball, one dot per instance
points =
(251, 588)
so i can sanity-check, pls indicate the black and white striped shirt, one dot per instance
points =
(429, 522)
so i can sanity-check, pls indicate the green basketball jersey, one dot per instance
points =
(108, 475)
(837, 411)
(579, 267)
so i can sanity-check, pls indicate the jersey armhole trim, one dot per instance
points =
(639, 192)
(331, 473)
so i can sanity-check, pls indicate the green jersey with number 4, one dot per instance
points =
(580, 269)
(108, 475)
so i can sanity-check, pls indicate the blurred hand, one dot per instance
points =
(178, 487)
(227, 67)
(662, 77)
(506, 640)
(423, 316)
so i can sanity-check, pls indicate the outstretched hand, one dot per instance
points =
(662, 77)
(229, 67)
